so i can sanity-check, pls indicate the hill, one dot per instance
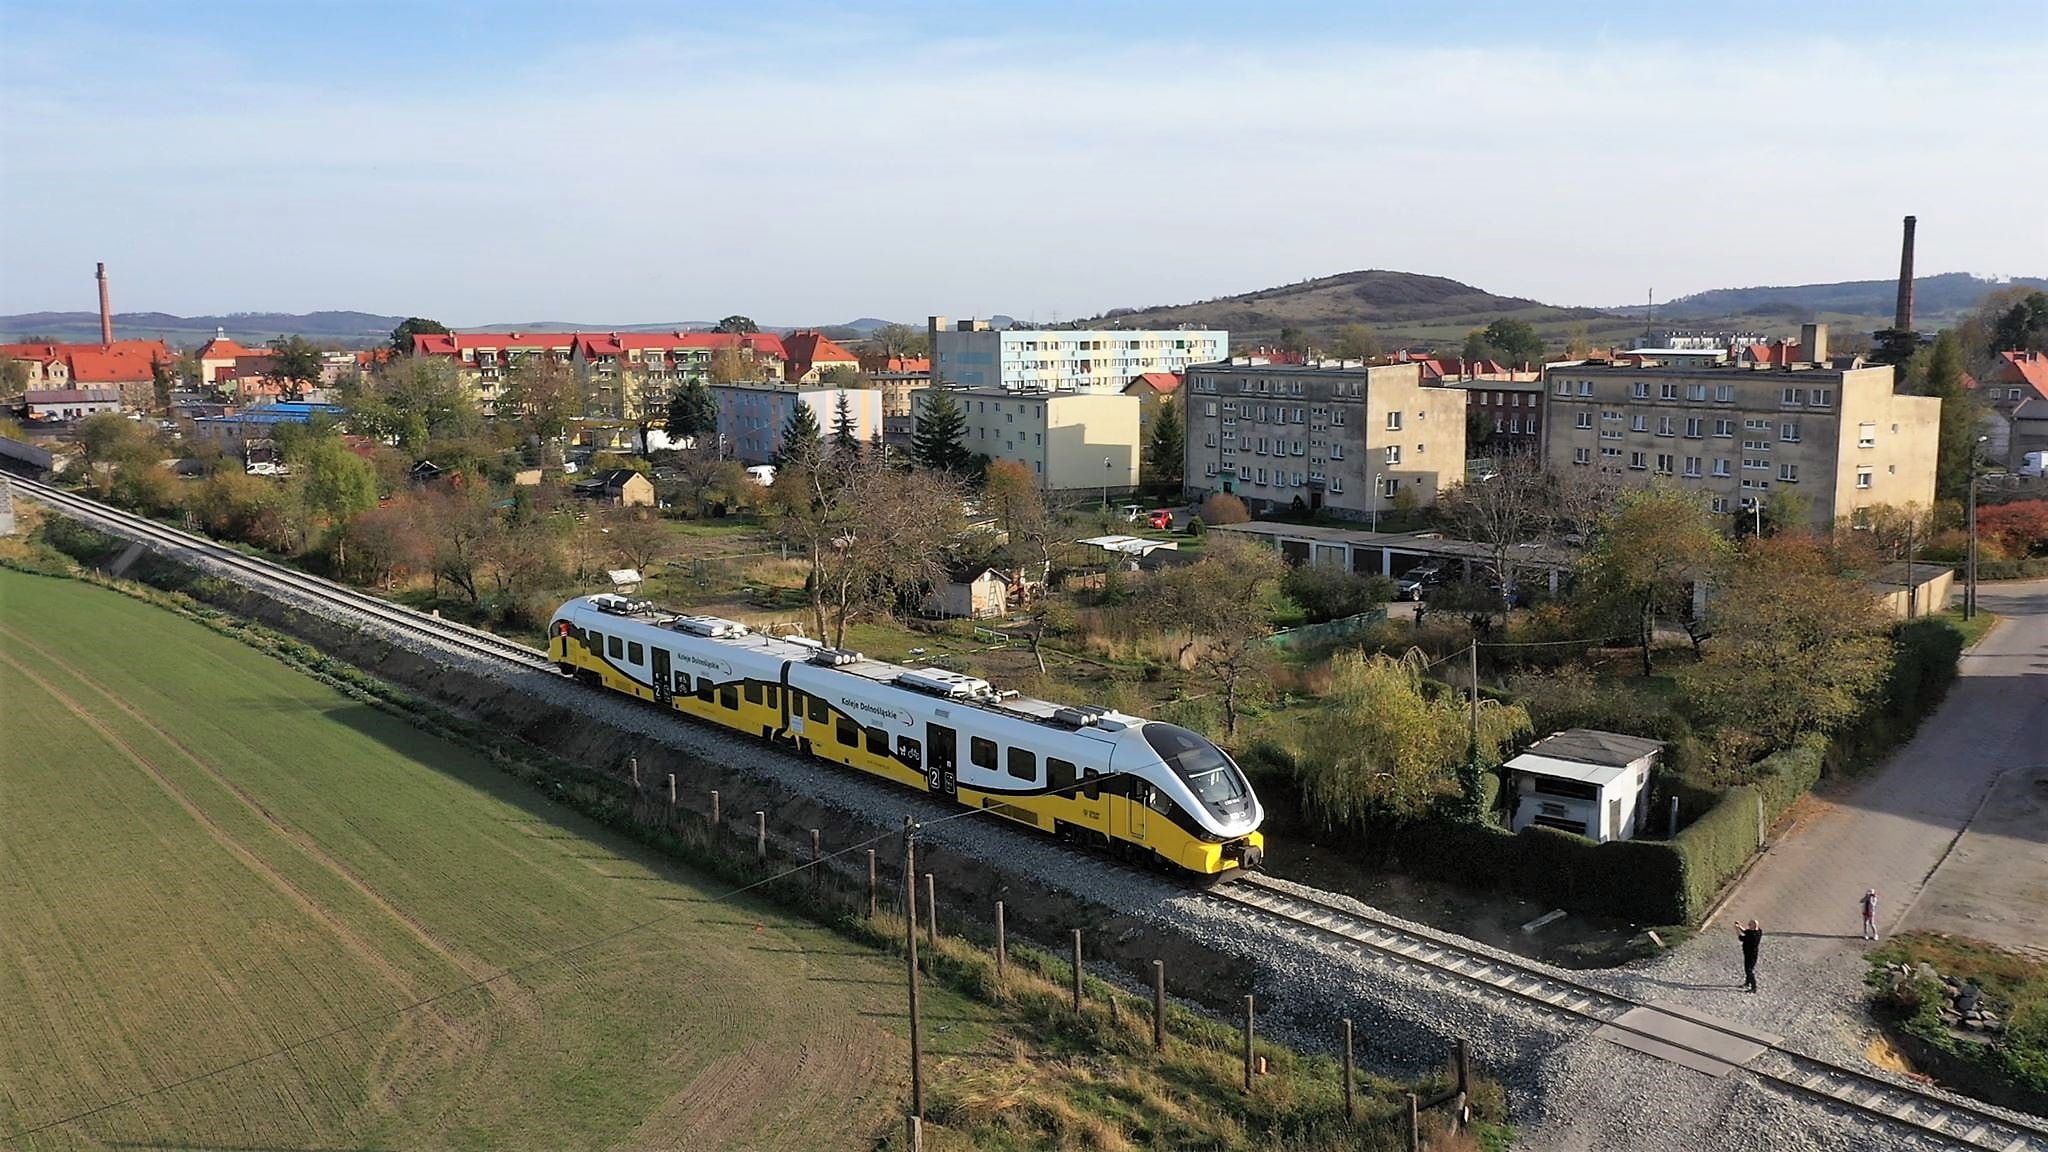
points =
(1403, 306)
(356, 329)
(1937, 300)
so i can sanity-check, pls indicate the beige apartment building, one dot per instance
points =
(1336, 436)
(1838, 437)
(1072, 441)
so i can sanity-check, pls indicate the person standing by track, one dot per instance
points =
(1869, 906)
(1752, 938)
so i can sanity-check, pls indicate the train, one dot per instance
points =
(1141, 788)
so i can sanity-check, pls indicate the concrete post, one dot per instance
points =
(817, 860)
(714, 810)
(1249, 1031)
(1350, 1078)
(931, 907)
(873, 885)
(760, 835)
(1077, 971)
(1158, 1005)
(1002, 944)
(633, 765)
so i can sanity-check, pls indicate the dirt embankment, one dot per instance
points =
(599, 752)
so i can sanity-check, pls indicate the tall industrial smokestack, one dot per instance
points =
(1902, 320)
(106, 310)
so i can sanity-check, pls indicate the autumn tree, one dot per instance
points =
(730, 365)
(460, 524)
(1227, 606)
(1502, 512)
(338, 484)
(939, 442)
(2018, 529)
(295, 364)
(544, 400)
(873, 535)
(1644, 557)
(1385, 745)
(414, 401)
(13, 378)
(1577, 497)
(1356, 342)
(900, 340)
(1795, 647)
(1166, 450)
(1032, 535)
(637, 537)
(1223, 508)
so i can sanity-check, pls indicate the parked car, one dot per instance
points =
(1160, 519)
(1412, 584)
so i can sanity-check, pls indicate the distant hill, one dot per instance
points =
(1937, 300)
(1404, 306)
(356, 329)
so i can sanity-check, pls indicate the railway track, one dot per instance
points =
(1952, 1121)
(163, 538)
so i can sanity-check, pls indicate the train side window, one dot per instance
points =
(982, 752)
(774, 696)
(1024, 764)
(1092, 784)
(753, 691)
(704, 688)
(635, 654)
(618, 648)
(878, 742)
(729, 697)
(796, 703)
(819, 709)
(1059, 774)
(846, 732)
(595, 642)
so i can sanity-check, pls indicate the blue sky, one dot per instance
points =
(809, 163)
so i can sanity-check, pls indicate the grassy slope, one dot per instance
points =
(206, 855)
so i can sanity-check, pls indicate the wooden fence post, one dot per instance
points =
(1350, 1079)
(1249, 1032)
(1158, 1005)
(872, 885)
(714, 810)
(915, 1133)
(1464, 1083)
(817, 860)
(671, 793)
(1414, 1126)
(1002, 944)
(931, 907)
(760, 835)
(633, 763)
(1077, 970)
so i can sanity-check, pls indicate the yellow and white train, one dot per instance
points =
(1089, 773)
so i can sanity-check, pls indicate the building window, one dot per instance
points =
(1665, 426)
(1692, 466)
(1564, 388)
(1642, 390)
(1585, 387)
(1822, 397)
(1337, 418)
(1789, 432)
(1863, 477)
(1389, 486)
(1794, 396)
(1724, 393)
(1667, 391)
(1500, 422)
(1755, 464)
(1336, 484)
(1663, 464)
(1582, 455)
(1720, 505)
(1696, 392)
(1639, 423)
(1610, 453)
(1639, 460)
(1583, 420)
(1721, 467)
(1393, 454)
(1694, 427)
(1724, 427)
(1393, 421)
(1789, 473)
(1866, 435)
(1515, 424)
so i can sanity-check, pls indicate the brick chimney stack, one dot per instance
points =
(106, 310)
(1902, 320)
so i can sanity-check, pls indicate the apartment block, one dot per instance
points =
(751, 414)
(1340, 437)
(1839, 437)
(483, 360)
(1072, 441)
(970, 354)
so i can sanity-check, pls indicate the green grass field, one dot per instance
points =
(206, 855)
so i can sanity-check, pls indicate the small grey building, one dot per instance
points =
(1590, 783)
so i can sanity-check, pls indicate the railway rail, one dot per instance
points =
(162, 537)
(1950, 1120)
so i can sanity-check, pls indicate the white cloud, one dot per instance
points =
(686, 177)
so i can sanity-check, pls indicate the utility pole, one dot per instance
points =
(1473, 652)
(1970, 579)
(910, 953)
(1912, 586)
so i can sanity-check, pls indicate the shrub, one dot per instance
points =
(1224, 508)
(1713, 848)
(1196, 528)
(1327, 593)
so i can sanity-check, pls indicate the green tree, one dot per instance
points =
(411, 326)
(738, 324)
(1166, 451)
(13, 377)
(692, 411)
(544, 399)
(941, 431)
(1477, 348)
(161, 381)
(1356, 342)
(1645, 555)
(1794, 647)
(295, 363)
(845, 430)
(1293, 339)
(2023, 326)
(338, 485)
(900, 340)
(1386, 744)
(801, 444)
(729, 365)
(1941, 375)
(1515, 340)
(843, 376)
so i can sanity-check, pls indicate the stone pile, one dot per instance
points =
(1962, 1008)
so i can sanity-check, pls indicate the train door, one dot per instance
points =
(941, 758)
(1135, 793)
(662, 695)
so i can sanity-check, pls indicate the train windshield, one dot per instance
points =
(1215, 780)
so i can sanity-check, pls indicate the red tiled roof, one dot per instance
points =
(450, 344)
(906, 365)
(221, 348)
(1160, 382)
(2028, 368)
(111, 365)
(594, 344)
(41, 353)
(803, 351)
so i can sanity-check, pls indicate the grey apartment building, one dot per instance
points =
(1338, 436)
(1840, 437)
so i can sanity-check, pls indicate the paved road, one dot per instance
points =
(1950, 831)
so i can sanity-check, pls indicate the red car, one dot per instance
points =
(1159, 518)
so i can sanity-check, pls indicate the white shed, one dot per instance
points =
(1594, 784)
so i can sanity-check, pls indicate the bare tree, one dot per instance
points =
(872, 533)
(1214, 608)
(1502, 512)
(1578, 497)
